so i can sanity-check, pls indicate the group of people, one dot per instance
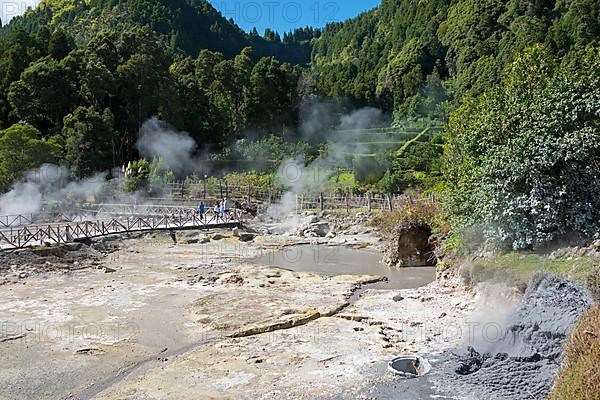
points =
(221, 208)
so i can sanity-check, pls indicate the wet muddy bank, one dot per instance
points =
(515, 357)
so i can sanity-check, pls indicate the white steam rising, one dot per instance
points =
(298, 177)
(178, 152)
(48, 183)
(175, 149)
(364, 118)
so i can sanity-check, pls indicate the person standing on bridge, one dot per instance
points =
(201, 210)
(225, 207)
(217, 210)
(222, 209)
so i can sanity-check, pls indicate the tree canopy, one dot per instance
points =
(522, 159)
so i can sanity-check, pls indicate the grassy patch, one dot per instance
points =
(579, 378)
(520, 267)
(523, 266)
(410, 213)
(411, 141)
(344, 180)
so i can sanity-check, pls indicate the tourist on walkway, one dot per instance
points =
(201, 210)
(216, 211)
(222, 209)
(225, 207)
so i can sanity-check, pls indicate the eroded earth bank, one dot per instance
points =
(254, 314)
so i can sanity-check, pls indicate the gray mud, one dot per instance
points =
(521, 365)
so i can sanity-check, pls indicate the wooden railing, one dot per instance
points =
(44, 235)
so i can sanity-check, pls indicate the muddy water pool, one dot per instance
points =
(338, 260)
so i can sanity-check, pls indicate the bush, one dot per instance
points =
(266, 153)
(22, 148)
(412, 213)
(522, 160)
(136, 175)
(258, 181)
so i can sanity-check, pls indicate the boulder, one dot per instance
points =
(410, 247)
(319, 229)
(233, 279)
(204, 239)
(246, 237)
(313, 219)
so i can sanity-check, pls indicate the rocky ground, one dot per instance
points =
(151, 318)
(198, 315)
(20, 264)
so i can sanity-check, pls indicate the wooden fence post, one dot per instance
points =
(347, 203)
(249, 195)
(369, 206)
(321, 201)
(389, 201)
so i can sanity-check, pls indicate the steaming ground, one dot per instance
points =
(163, 320)
(178, 153)
(518, 361)
(522, 363)
(158, 320)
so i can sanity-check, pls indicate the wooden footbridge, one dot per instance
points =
(29, 231)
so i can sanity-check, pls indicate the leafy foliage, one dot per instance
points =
(88, 137)
(521, 146)
(22, 149)
(522, 159)
(95, 97)
(264, 154)
(412, 213)
(137, 174)
(406, 51)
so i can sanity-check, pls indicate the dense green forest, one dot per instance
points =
(409, 57)
(87, 75)
(513, 83)
(185, 27)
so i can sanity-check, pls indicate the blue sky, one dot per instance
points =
(279, 15)
(285, 15)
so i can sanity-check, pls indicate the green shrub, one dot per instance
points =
(136, 175)
(258, 181)
(522, 160)
(22, 148)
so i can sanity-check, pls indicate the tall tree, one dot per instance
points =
(22, 149)
(89, 138)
